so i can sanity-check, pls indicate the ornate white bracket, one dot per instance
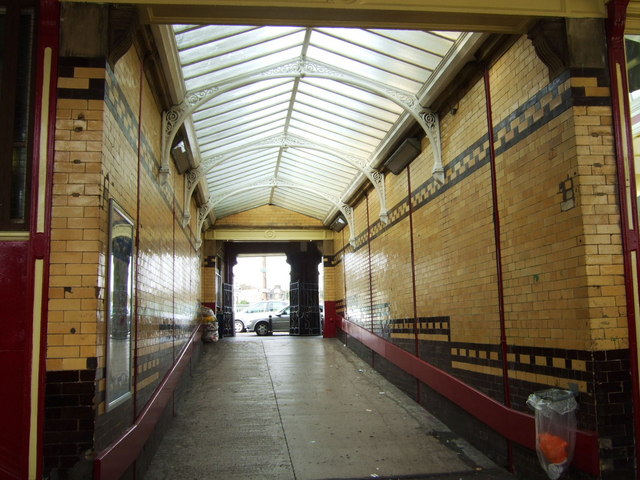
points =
(347, 211)
(171, 122)
(377, 179)
(431, 125)
(203, 214)
(191, 179)
(428, 120)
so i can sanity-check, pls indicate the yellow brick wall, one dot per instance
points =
(74, 301)
(96, 160)
(563, 269)
(330, 293)
(268, 216)
(356, 265)
(208, 283)
(562, 263)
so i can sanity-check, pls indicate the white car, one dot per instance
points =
(258, 310)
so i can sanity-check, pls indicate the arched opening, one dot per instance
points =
(295, 309)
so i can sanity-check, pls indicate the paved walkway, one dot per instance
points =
(304, 408)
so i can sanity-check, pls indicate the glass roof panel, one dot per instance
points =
(265, 39)
(308, 177)
(205, 76)
(339, 120)
(417, 48)
(246, 160)
(435, 42)
(243, 175)
(334, 162)
(312, 134)
(448, 34)
(264, 107)
(312, 205)
(190, 35)
(314, 102)
(203, 59)
(386, 62)
(337, 130)
(363, 70)
(276, 112)
(276, 85)
(347, 117)
(341, 143)
(233, 129)
(357, 98)
(313, 161)
(214, 148)
(224, 103)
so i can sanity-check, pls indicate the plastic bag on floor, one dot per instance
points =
(555, 429)
(210, 332)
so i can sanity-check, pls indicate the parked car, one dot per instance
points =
(255, 311)
(280, 322)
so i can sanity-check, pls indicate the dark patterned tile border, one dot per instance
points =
(425, 326)
(209, 261)
(94, 85)
(116, 103)
(549, 103)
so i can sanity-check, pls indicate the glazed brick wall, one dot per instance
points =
(563, 265)
(208, 280)
(357, 270)
(269, 216)
(96, 159)
(565, 307)
(168, 265)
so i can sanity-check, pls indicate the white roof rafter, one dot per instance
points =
(306, 110)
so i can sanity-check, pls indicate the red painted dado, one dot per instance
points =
(15, 357)
(511, 424)
(114, 461)
(331, 320)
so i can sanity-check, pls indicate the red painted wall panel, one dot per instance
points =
(15, 356)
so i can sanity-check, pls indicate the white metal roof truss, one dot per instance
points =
(345, 122)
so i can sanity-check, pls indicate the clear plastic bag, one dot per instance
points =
(555, 429)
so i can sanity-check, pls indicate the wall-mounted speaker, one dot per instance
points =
(403, 156)
(338, 224)
(181, 155)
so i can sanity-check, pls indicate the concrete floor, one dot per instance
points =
(304, 408)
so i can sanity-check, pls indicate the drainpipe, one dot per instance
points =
(413, 278)
(366, 198)
(136, 280)
(627, 187)
(496, 230)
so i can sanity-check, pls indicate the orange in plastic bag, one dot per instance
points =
(553, 447)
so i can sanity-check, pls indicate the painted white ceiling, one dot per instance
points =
(273, 133)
